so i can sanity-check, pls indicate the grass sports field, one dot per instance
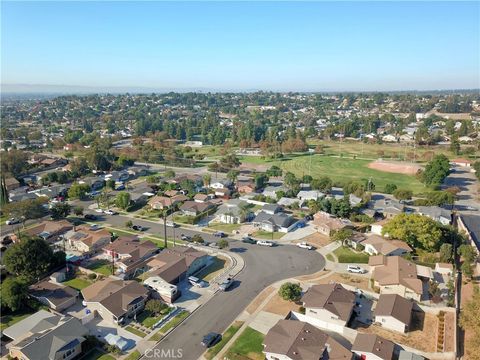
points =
(340, 170)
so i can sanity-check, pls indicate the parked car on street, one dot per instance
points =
(265, 243)
(211, 339)
(304, 245)
(138, 228)
(226, 284)
(170, 223)
(110, 212)
(249, 240)
(220, 234)
(213, 245)
(99, 210)
(185, 237)
(89, 217)
(356, 269)
(12, 221)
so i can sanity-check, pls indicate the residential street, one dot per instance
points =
(468, 185)
(263, 266)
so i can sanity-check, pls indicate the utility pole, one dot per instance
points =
(165, 228)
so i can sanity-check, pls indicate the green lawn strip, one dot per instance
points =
(147, 320)
(77, 283)
(347, 255)
(103, 267)
(227, 335)
(247, 345)
(134, 355)
(266, 235)
(217, 265)
(135, 331)
(227, 228)
(177, 319)
(330, 257)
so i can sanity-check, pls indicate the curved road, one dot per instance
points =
(263, 266)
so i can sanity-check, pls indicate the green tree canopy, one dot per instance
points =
(14, 293)
(123, 200)
(290, 291)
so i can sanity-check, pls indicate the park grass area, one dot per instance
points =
(247, 346)
(226, 228)
(392, 151)
(347, 255)
(103, 267)
(97, 354)
(135, 331)
(227, 335)
(134, 355)
(340, 170)
(77, 283)
(212, 270)
(267, 235)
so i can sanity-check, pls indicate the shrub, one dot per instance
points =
(290, 291)
(92, 276)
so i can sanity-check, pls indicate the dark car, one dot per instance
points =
(7, 240)
(185, 237)
(220, 234)
(211, 339)
(248, 240)
(308, 217)
(89, 217)
(138, 228)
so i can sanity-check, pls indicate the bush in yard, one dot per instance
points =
(155, 306)
(129, 224)
(290, 291)
(92, 276)
(78, 210)
(112, 349)
(223, 244)
(197, 238)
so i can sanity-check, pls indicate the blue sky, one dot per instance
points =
(243, 45)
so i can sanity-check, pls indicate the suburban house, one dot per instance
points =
(306, 195)
(443, 216)
(394, 312)
(223, 193)
(221, 184)
(44, 335)
(245, 186)
(114, 300)
(388, 207)
(269, 221)
(373, 347)
(203, 197)
(158, 202)
(95, 183)
(162, 289)
(118, 176)
(271, 191)
(234, 211)
(377, 245)
(395, 275)
(193, 208)
(55, 296)
(461, 162)
(177, 263)
(50, 230)
(285, 201)
(296, 340)
(11, 183)
(330, 303)
(130, 255)
(325, 223)
(171, 193)
(88, 240)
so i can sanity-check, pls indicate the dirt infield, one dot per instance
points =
(395, 167)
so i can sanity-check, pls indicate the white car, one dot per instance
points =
(98, 210)
(170, 223)
(12, 221)
(110, 212)
(356, 269)
(264, 243)
(304, 245)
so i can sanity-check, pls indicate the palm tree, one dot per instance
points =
(207, 178)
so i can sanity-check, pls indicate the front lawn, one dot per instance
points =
(267, 235)
(227, 335)
(226, 228)
(247, 346)
(134, 355)
(103, 267)
(169, 325)
(212, 270)
(77, 283)
(97, 354)
(135, 331)
(347, 255)
(147, 320)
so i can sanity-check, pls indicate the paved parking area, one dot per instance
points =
(193, 296)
